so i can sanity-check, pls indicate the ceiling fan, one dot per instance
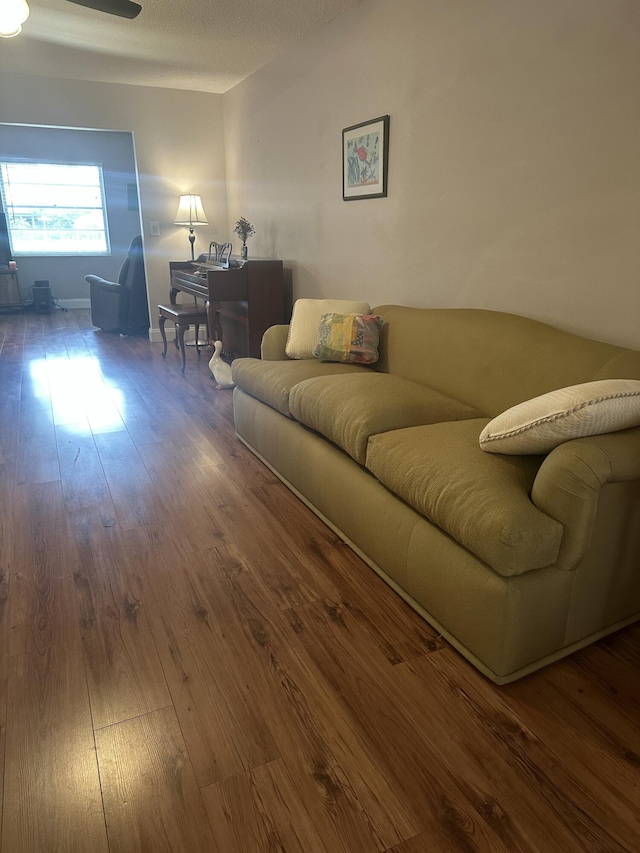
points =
(121, 8)
(13, 13)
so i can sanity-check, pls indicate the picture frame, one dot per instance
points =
(365, 159)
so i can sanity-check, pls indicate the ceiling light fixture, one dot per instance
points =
(13, 13)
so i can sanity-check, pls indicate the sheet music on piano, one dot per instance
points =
(201, 268)
(203, 263)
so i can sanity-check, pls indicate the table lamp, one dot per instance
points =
(191, 213)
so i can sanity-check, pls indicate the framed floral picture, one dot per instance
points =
(365, 158)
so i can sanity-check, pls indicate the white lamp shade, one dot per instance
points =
(190, 211)
(13, 13)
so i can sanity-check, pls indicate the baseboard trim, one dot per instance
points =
(155, 336)
(74, 304)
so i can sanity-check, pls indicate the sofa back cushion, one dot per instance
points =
(489, 359)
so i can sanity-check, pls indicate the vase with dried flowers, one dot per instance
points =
(244, 229)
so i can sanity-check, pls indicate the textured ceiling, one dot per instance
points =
(203, 45)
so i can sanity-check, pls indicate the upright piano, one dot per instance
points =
(243, 299)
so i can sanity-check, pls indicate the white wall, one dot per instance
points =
(514, 174)
(514, 165)
(179, 145)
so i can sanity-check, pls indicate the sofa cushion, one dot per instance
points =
(305, 322)
(542, 423)
(480, 499)
(489, 359)
(348, 338)
(349, 409)
(272, 381)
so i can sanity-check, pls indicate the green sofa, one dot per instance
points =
(515, 560)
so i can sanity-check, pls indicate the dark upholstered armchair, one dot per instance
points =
(122, 306)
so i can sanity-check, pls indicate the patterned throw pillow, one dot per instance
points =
(349, 338)
(303, 329)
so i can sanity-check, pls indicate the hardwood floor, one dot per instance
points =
(190, 661)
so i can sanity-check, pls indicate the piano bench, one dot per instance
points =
(183, 316)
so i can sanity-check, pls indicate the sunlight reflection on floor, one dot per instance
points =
(78, 392)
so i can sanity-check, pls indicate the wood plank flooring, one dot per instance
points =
(191, 662)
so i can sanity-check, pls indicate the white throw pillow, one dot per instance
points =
(542, 423)
(304, 330)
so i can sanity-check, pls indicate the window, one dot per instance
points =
(54, 209)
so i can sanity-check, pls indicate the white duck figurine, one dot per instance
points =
(220, 369)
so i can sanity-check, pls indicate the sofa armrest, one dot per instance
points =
(101, 283)
(568, 483)
(274, 341)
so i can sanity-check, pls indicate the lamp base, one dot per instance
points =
(192, 240)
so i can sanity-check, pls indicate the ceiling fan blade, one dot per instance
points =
(122, 8)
